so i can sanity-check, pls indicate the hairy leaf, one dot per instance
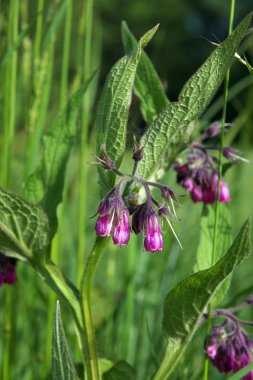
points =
(147, 86)
(171, 124)
(45, 185)
(24, 227)
(185, 303)
(62, 365)
(112, 114)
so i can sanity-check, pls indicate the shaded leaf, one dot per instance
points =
(205, 248)
(24, 229)
(120, 371)
(62, 365)
(147, 86)
(112, 114)
(171, 124)
(45, 185)
(185, 303)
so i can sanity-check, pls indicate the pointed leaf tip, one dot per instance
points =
(148, 36)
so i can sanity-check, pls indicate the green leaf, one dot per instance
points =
(112, 114)
(45, 185)
(120, 371)
(24, 229)
(172, 123)
(147, 86)
(205, 248)
(185, 303)
(62, 365)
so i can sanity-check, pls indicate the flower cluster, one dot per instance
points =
(199, 174)
(228, 346)
(114, 211)
(7, 270)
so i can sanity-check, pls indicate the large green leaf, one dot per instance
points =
(24, 227)
(45, 185)
(185, 303)
(62, 365)
(147, 86)
(172, 123)
(112, 114)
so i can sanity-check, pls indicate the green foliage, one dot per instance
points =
(205, 248)
(24, 229)
(45, 185)
(186, 303)
(119, 371)
(171, 124)
(112, 114)
(62, 365)
(147, 86)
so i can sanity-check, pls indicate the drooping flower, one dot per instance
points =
(121, 234)
(153, 240)
(113, 216)
(146, 220)
(229, 348)
(199, 173)
(7, 270)
(115, 209)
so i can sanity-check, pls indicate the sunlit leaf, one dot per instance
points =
(112, 114)
(172, 123)
(147, 86)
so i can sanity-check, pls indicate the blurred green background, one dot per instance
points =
(43, 60)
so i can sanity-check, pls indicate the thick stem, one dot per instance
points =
(91, 360)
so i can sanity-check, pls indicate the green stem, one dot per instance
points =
(217, 204)
(83, 151)
(9, 130)
(39, 30)
(55, 247)
(91, 360)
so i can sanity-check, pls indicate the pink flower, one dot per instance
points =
(153, 241)
(224, 192)
(104, 225)
(121, 234)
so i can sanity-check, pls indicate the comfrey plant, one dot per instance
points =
(199, 174)
(228, 345)
(114, 216)
(29, 224)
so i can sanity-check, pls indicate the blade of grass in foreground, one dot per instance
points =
(9, 130)
(56, 243)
